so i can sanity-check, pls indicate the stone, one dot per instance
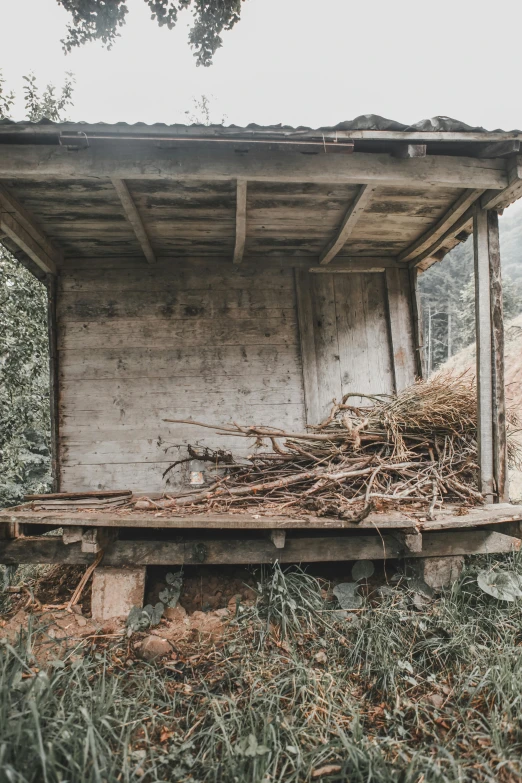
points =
(115, 591)
(154, 647)
(437, 572)
(175, 615)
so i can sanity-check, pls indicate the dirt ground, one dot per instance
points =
(209, 600)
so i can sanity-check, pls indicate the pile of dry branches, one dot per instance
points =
(417, 448)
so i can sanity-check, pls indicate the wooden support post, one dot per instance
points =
(500, 471)
(401, 325)
(410, 541)
(484, 353)
(241, 210)
(51, 283)
(278, 538)
(94, 539)
(418, 330)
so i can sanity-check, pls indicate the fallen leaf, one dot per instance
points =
(320, 657)
(328, 769)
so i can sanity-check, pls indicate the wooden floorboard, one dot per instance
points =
(445, 520)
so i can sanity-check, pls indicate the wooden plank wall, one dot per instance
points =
(214, 342)
(357, 336)
(139, 344)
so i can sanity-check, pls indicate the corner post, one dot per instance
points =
(490, 357)
(500, 471)
(51, 283)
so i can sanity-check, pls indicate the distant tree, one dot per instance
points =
(99, 20)
(511, 299)
(24, 350)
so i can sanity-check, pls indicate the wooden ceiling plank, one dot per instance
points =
(349, 222)
(241, 209)
(134, 218)
(429, 239)
(124, 161)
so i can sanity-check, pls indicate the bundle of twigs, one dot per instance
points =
(415, 448)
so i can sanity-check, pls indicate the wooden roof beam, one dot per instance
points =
(125, 161)
(350, 220)
(427, 243)
(241, 208)
(499, 149)
(446, 242)
(134, 218)
(493, 199)
(18, 224)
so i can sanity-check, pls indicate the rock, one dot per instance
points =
(77, 609)
(320, 657)
(154, 647)
(81, 621)
(176, 615)
(221, 612)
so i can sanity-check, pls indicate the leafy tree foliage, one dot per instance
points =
(99, 20)
(24, 349)
(47, 103)
(24, 383)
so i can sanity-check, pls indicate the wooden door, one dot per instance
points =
(356, 336)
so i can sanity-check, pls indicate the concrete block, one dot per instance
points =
(116, 590)
(437, 572)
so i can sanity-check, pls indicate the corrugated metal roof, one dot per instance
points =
(365, 122)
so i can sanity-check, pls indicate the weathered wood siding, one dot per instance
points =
(356, 336)
(139, 344)
(214, 342)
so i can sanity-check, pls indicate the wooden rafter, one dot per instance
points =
(17, 224)
(349, 222)
(241, 208)
(434, 238)
(134, 218)
(494, 199)
(114, 160)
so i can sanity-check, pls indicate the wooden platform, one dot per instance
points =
(452, 517)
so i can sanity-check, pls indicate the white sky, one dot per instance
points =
(300, 62)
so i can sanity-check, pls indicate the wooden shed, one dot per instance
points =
(245, 274)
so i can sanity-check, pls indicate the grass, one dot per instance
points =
(396, 694)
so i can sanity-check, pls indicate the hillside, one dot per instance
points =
(465, 360)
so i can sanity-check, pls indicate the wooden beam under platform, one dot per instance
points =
(214, 551)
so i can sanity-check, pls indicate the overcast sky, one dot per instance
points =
(300, 62)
